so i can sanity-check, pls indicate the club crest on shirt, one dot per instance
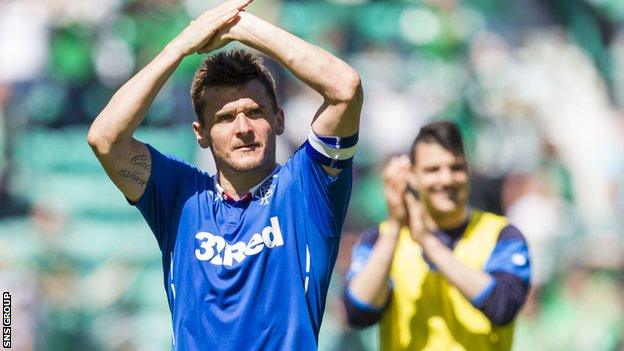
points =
(266, 190)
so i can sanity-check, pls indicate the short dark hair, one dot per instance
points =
(230, 68)
(445, 133)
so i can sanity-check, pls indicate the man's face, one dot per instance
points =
(240, 126)
(441, 179)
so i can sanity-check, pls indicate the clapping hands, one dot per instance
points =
(403, 204)
(205, 33)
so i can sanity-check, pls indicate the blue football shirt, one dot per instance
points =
(252, 274)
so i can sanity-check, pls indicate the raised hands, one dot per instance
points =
(395, 180)
(404, 208)
(197, 36)
(419, 228)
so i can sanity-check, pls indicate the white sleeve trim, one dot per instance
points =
(330, 151)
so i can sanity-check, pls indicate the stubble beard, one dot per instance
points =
(243, 164)
(247, 163)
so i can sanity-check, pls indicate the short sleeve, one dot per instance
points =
(361, 251)
(361, 314)
(326, 197)
(510, 269)
(511, 255)
(160, 202)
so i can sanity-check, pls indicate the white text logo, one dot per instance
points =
(213, 248)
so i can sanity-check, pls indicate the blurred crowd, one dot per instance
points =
(536, 86)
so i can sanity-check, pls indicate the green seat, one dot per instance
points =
(18, 244)
(72, 193)
(66, 150)
(93, 242)
(178, 140)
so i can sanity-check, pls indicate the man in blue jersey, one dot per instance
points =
(247, 253)
(437, 274)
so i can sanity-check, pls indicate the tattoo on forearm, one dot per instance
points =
(141, 162)
(135, 176)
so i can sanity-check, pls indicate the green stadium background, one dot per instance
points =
(536, 86)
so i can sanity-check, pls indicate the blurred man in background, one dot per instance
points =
(437, 275)
(247, 254)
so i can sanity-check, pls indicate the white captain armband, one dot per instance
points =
(333, 152)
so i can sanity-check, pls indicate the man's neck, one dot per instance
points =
(446, 221)
(237, 184)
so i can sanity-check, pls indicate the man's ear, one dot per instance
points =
(203, 138)
(279, 129)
